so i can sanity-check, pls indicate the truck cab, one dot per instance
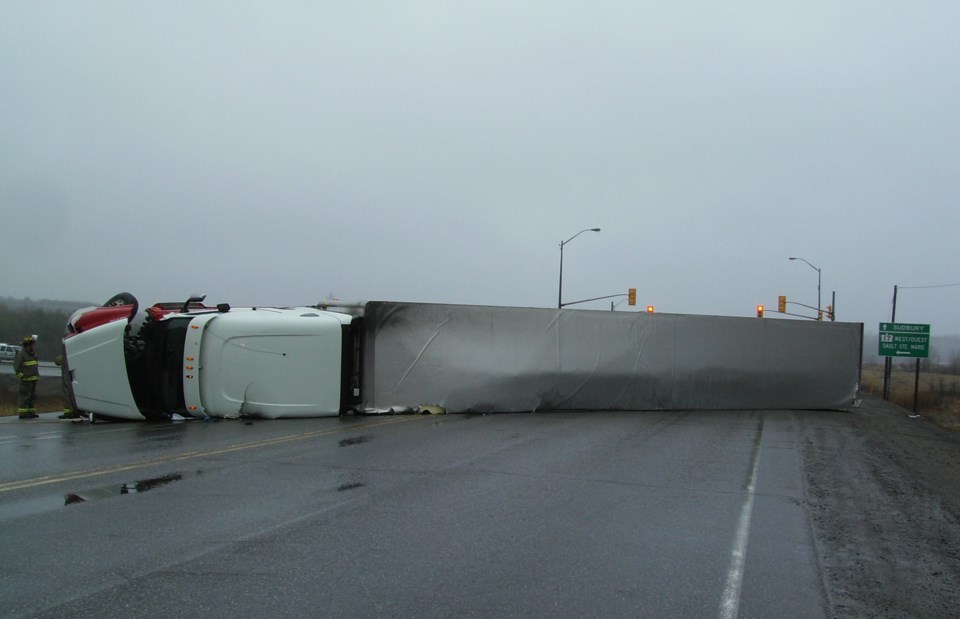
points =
(200, 361)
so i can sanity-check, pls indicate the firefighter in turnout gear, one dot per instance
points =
(28, 371)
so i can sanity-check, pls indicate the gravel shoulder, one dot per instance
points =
(884, 497)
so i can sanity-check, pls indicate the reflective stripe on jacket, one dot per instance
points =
(26, 366)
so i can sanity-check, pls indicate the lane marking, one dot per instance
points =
(730, 605)
(10, 438)
(29, 436)
(189, 455)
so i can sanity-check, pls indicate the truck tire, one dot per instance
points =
(122, 298)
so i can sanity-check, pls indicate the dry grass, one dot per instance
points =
(938, 397)
(48, 396)
(45, 404)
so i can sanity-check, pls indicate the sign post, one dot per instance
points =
(898, 339)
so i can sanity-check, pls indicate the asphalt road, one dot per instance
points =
(654, 514)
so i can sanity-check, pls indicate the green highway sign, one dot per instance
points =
(898, 339)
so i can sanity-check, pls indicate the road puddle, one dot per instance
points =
(130, 487)
(354, 440)
(52, 502)
(149, 484)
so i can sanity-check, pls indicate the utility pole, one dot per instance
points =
(888, 362)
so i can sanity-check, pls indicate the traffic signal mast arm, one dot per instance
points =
(631, 298)
(609, 296)
(783, 304)
(816, 309)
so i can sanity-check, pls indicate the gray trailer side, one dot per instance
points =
(507, 359)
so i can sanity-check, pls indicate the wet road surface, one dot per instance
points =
(657, 514)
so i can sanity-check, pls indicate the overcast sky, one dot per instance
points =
(275, 153)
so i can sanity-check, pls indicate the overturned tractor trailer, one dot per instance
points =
(381, 357)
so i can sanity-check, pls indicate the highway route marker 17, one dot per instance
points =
(898, 339)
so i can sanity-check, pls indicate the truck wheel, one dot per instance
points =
(123, 298)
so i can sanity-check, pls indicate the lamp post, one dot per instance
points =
(562, 243)
(819, 310)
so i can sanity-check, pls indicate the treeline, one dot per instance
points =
(45, 304)
(48, 323)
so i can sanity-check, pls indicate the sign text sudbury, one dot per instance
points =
(898, 339)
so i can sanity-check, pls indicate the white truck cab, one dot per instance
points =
(98, 371)
(264, 362)
(209, 362)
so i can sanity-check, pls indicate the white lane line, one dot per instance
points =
(730, 606)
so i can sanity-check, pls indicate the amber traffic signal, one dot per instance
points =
(649, 309)
(759, 311)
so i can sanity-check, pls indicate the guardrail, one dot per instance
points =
(43, 364)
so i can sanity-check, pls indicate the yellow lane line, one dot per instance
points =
(119, 468)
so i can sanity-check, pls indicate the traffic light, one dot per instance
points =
(830, 312)
(782, 304)
(649, 309)
(759, 311)
(819, 314)
(631, 296)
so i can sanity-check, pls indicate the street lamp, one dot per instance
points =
(562, 243)
(819, 315)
